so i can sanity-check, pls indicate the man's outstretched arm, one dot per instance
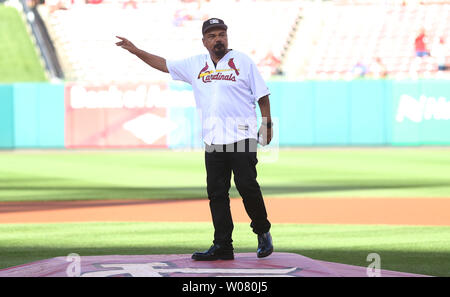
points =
(152, 60)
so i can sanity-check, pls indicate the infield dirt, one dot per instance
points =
(395, 211)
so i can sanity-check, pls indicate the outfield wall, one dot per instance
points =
(31, 116)
(312, 113)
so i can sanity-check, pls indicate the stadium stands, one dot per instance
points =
(84, 34)
(333, 38)
(340, 39)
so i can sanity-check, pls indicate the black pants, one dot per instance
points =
(221, 161)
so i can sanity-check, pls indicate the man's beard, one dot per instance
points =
(219, 50)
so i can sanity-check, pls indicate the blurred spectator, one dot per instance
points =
(268, 65)
(359, 69)
(54, 5)
(191, 13)
(421, 44)
(132, 3)
(271, 61)
(179, 17)
(378, 69)
(439, 52)
(31, 3)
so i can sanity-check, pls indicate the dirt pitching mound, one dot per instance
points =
(244, 264)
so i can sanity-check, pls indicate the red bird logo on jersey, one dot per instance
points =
(232, 66)
(208, 76)
(203, 70)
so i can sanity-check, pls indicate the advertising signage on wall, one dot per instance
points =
(421, 113)
(121, 115)
(422, 109)
(149, 115)
(127, 96)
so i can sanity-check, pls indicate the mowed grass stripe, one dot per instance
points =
(75, 175)
(415, 249)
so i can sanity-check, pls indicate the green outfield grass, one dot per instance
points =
(422, 250)
(74, 175)
(19, 60)
(144, 174)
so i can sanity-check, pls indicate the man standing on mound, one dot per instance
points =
(227, 86)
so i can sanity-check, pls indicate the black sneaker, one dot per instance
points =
(265, 246)
(215, 252)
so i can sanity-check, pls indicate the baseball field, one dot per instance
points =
(334, 204)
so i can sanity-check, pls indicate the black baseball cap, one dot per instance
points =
(213, 23)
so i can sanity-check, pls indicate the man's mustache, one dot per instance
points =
(218, 45)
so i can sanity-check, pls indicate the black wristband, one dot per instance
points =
(268, 124)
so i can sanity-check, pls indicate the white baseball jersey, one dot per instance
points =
(225, 94)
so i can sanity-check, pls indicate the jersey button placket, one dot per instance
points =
(215, 105)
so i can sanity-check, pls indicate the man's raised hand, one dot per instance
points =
(126, 44)
(152, 60)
